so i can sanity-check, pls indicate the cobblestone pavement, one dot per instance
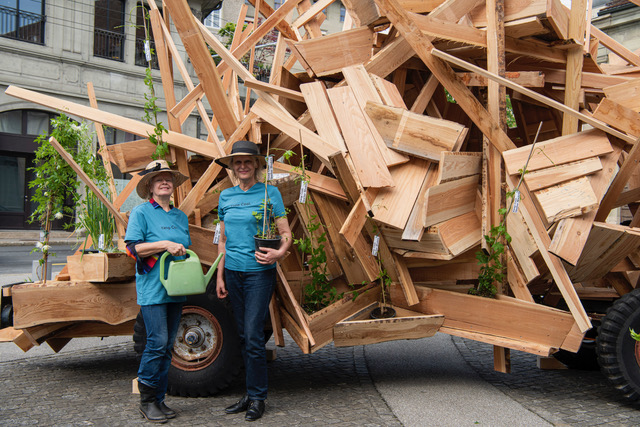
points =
(91, 387)
(562, 397)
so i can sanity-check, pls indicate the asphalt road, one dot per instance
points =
(18, 259)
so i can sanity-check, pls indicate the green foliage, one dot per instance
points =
(97, 220)
(227, 31)
(385, 281)
(265, 228)
(634, 334)
(511, 119)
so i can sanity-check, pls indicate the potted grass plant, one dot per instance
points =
(266, 229)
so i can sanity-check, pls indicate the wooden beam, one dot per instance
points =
(575, 57)
(275, 90)
(618, 116)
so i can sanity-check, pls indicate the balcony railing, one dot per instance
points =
(108, 44)
(25, 26)
(141, 58)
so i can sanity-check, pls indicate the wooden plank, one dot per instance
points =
(355, 221)
(370, 165)
(429, 243)
(626, 94)
(393, 205)
(614, 46)
(522, 245)
(461, 233)
(276, 322)
(629, 165)
(558, 151)
(414, 227)
(558, 272)
(364, 91)
(506, 318)
(388, 92)
(113, 120)
(537, 180)
(406, 282)
(454, 165)
(451, 199)
(188, 103)
(315, 96)
(571, 234)
(618, 116)
(523, 78)
(37, 303)
(297, 314)
(311, 13)
(566, 200)
(347, 48)
(575, 58)
(275, 90)
(317, 182)
(531, 94)
(131, 156)
(517, 282)
(361, 332)
(202, 244)
(421, 136)
(295, 331)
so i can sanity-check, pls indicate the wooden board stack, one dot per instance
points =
(399, 123)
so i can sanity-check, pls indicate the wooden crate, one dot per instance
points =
(101, 267)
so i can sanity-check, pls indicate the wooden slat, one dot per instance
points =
(415, 134)
(570, 199)
(275, 90)
(450, 199)
(618, 116)
(575, 58)
(461, 233)
(297, 314)
(406, 282)
(572, 233)
(523, 78)
(626, 94)
(517, 282)
(414, 228)
(454, 165)
(558, 151)
(315, 96)
(362, 332)
(522, 245)
(131, 156)
(614, 46)
(544, 178)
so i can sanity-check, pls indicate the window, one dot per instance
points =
(141, 56)
(277, 4)
(22, 20)
(109, 23)
(213, 20)
(343, 12)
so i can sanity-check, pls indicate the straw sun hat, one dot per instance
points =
(154, 168)
(241, 148)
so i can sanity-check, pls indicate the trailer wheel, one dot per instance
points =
(206, 353)
(618, 353)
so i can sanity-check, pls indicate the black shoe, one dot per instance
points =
(168, 412)
(240, 406)
(148, 406)
(255, 410)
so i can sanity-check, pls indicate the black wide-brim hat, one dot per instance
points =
(241, 148)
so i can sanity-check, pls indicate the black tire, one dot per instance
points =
(618, 353)
(206, 353)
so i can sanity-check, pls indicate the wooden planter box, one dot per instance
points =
(101, 267)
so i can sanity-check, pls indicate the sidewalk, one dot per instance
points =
(31, 237)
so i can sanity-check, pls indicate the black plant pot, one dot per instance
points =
(267, 243)
(378, 313)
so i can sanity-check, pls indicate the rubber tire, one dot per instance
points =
(617, 351)
(219, 373)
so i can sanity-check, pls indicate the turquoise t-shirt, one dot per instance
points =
(148, 222)
(236, 209)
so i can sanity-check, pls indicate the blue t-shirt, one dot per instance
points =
(236, 209)
(148, 222)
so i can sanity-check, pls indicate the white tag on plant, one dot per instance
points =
(216, 236)
(269, 167)
(101, 242)
(516, 201)
(376, 244)
(147, 50)
(303, 192)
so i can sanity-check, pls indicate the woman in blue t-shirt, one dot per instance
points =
(246, 275)
(155, 227)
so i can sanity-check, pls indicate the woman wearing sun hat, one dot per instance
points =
(248, 276)
(155, 227)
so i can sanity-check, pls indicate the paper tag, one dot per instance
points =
(303, 192)
(216, 236)
(516, 201)
(269, 167)
(147, 50)
(101, 242)
(376, 244)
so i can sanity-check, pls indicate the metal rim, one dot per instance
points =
(198, 341)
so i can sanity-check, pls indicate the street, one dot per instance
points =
(17, 259)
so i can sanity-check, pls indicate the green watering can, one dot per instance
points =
(185, 276)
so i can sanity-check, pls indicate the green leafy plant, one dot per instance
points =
(98, 223)
(634, 334)
(266, 227)
(55, 181)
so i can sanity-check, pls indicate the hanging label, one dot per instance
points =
(303, 192)
(216, 236)
(516, 201)
(269, 167)
(101, 242)
(147, 50)
(376, 244)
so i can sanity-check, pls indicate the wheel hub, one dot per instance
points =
(198, 340)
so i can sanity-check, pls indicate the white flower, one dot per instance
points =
(39, 245)
(45, 248)
(46, 194)
(58, 215)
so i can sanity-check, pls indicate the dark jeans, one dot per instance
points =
(161, 322)
(250, 294)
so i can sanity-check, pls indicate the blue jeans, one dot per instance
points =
(250, 294)
(161, 322)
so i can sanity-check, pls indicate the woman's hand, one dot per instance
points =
(221, 289)
(175, 249)
(268, 256)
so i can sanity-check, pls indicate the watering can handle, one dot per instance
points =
(164, 257)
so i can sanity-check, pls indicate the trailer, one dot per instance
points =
(402, 175)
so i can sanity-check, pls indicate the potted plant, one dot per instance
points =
(383, 311)
(266, 230)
